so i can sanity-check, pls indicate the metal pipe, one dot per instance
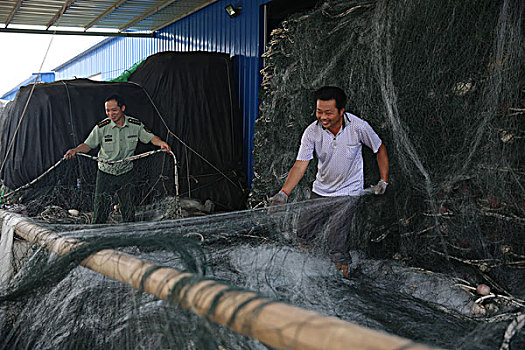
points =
(71, 32)
(275, 324)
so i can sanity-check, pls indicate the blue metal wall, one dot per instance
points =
(47, 77)
(209, 29)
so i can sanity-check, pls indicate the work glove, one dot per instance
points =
(380, 188)
(279, 199)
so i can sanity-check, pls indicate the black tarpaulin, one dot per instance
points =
(195, 95)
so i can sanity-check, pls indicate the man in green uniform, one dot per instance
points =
(117, 136)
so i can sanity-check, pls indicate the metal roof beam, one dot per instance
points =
(140, 14)
(151, 11)
(165, 24)
(110, 9)
(13, 12)
(70, 32)
(59, 14)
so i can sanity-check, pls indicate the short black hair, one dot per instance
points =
(327, 93)
(120, 100)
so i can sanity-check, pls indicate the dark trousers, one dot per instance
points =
(331, 219)
(106, 186)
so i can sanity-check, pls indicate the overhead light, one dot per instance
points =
(233, 11)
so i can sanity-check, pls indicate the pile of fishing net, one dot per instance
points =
(443, 85)
(52, 302)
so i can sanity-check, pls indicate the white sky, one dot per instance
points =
(22, 54)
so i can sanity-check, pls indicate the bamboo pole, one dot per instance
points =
(275, 324)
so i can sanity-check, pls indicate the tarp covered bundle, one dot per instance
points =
(45, 120)
(195, 94)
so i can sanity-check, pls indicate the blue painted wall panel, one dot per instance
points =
(46, 77)
(209, 29)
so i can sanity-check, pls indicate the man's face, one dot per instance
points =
(328, 115)
(114, 112)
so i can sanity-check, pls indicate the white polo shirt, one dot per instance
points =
(340, 165)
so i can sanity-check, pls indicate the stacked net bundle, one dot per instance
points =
(442, 83)
(52, 302)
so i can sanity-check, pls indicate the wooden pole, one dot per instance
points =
(275, 324)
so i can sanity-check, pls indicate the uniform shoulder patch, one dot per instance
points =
(104, 122)
(134, 121)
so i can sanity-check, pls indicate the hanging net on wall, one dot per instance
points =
(443, 85)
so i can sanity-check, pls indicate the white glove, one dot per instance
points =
(380, 188)
(279, 199)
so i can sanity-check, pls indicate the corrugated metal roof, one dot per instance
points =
(92, 16)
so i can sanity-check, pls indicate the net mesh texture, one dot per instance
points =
(442, 83)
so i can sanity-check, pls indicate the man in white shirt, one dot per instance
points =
(336, 138)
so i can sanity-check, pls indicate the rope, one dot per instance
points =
(35, 180)
(128, 159)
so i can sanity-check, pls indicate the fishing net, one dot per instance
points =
(443, 85)
(52, 302)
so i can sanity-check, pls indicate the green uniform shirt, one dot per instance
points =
(117, 143)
